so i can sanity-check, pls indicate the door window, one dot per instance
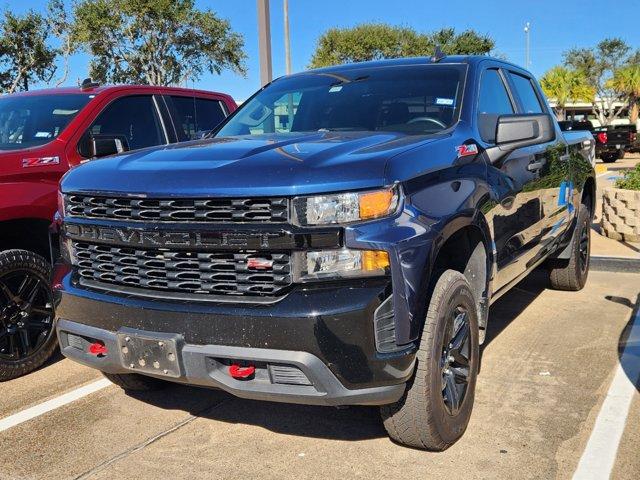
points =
(494, 101)
(133, 118)
(196, 116)
(528, 97)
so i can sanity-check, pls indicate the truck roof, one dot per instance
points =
(110, 88)
(448, 59)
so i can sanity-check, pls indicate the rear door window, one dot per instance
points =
(134, 118)
(528, 98)
(194, 117)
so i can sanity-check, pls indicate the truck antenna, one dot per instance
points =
(438, 55)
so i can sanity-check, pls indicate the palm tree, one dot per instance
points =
(564, 85)
(626, 81)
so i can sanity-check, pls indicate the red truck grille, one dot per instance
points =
(218, 210)
(233, 273)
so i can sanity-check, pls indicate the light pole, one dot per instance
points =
(287, 60)
(264, 41)
(287, 44)
(527, 59)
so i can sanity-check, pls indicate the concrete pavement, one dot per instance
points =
(546, 368)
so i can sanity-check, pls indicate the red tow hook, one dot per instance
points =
(98, 349)
(241, 373)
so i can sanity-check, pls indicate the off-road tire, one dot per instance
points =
(571, 274)
(420, 418)
(134, 382)
(16, 260)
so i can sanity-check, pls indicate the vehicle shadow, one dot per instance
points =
(513, 303)
(629, 340)
(348, 424)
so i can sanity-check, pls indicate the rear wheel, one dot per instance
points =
(436, 407)
(609, 157)
(134, 382)
(572, 273)
(621, 154)
(27, 338)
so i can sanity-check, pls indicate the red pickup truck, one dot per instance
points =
(44, 133)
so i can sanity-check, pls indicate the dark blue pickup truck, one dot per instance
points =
(337, 241)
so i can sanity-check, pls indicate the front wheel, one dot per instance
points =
(435, 409)
(27, 338)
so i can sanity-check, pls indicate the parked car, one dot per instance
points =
(43, 134)
(347, 255)
(612, 142)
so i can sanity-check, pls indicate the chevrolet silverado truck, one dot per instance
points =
(337, 241)
(43, 134)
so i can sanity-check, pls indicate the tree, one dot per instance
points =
(626, 82)
(61, 26)
(374, 41)
(565, 85)
(598, 65)
(25, 56)
(156, 42)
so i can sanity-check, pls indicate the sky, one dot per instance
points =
(556, 25)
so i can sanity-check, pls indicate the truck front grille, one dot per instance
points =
(218, 210)
(213, 273)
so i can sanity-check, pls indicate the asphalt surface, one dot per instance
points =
(546, 369)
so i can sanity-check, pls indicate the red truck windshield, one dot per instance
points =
(30, 121)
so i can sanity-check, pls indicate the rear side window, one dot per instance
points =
(527, 94)
(196, 116)
(493, 102)
(133, 118)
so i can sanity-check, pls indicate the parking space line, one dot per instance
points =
(49, 405)
(599, 456)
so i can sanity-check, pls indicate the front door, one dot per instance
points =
(514, 217)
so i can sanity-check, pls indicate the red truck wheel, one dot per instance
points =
(27, 338)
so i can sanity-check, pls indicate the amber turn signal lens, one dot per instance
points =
(374, 260)
(377, 204)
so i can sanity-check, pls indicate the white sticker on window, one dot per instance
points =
(444, 101)
(42, 134)
(335, 88)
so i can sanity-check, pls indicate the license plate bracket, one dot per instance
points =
(150, 352)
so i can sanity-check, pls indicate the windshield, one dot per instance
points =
(411, 99)
(30, 121)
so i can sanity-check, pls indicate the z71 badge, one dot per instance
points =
(466, 150)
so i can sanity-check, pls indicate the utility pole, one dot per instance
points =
(527, 58)
(264, 41)
(287, 61)
(287, 44)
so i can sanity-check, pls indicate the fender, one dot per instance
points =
(28, 200)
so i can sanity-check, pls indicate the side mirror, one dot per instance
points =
(103, 145)
(518, 131)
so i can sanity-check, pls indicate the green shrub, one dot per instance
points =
(631, 179)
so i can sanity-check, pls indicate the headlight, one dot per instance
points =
(345, 207)
(342, 263)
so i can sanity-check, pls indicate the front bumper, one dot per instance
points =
(326, 332)
(207, 365)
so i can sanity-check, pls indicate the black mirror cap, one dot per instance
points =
(103, 145)
(518, 131)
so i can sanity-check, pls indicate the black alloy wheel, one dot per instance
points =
(26, 314)
(27, 337)
(584, 250)
(454, 361)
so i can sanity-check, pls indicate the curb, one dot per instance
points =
(615, 264)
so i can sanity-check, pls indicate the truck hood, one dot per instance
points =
(262, 165)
